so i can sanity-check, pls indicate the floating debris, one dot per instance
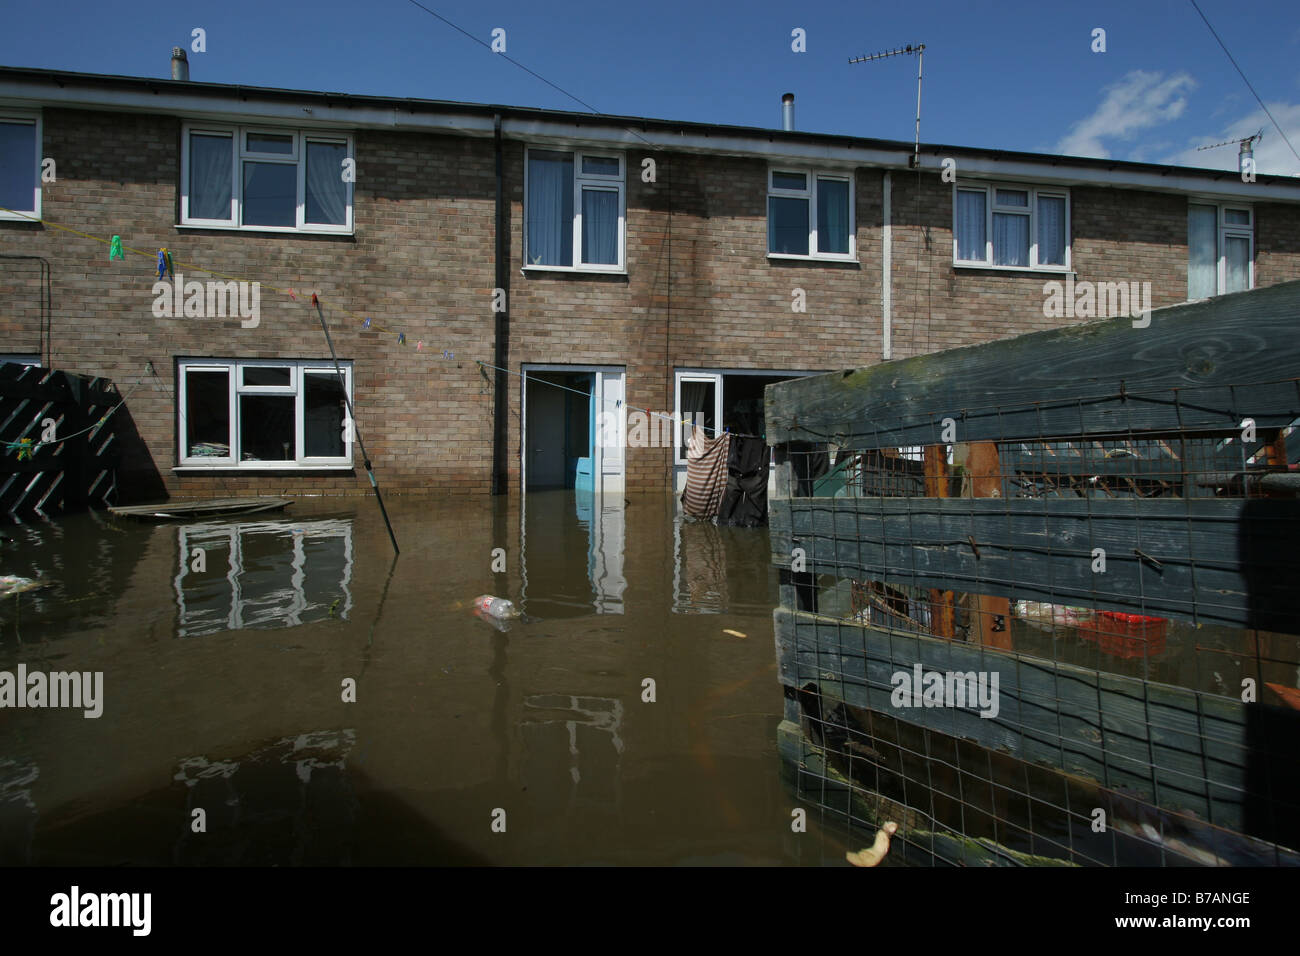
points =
(873, 854)
(12, 584)
(496, 607)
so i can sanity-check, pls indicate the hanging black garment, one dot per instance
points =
(744, 503)
(809, 461)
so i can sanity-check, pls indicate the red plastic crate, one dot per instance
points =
(1125, 635)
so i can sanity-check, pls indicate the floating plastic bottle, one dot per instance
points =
(496, 607)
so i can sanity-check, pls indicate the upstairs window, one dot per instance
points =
(265, 179)
(1220, 249)
(20, 165)
(575, 210)
(1011, 226)
(810, 214)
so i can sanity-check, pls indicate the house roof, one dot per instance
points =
(32, 87)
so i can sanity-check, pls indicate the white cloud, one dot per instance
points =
(1139, 101)
(1272, 155)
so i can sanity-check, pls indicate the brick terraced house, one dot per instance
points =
(643, 264)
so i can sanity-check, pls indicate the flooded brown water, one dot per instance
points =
(223, 690)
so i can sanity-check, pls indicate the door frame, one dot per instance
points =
(677, 476)
(598, 395)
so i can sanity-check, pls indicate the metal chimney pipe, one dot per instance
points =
(787, 112)
(1247, 153)
(180, 65)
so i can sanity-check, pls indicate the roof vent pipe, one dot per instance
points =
(1246, 159)
(180, 65)
(787, 112)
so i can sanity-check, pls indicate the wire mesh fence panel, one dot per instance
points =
(1048, 617)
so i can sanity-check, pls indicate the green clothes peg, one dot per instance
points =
(115, 249)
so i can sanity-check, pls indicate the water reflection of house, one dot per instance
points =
(699, 568)
(17, 811)
(290, 803)
(262, 574)
(550, 517)
(589, 729)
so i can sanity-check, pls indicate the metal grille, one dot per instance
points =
(1052, 630)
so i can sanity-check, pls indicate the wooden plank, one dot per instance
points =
(1222, 560)
(991, 625)
(1116, 730)
(942, 610)
(1104, 377)
(207, 507)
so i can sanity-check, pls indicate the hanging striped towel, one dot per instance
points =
(706, 473)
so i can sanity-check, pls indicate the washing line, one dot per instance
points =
(367, 324)
(618, 402)
(27, 447)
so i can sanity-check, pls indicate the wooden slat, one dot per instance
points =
(992, 615)
(942, 610)
(1068, 381)
(204, 507)
(1220, 560)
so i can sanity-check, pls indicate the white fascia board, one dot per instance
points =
(1063, 173)
(546, 132)
(564, 133)
(235, 110)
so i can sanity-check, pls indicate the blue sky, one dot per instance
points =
(1012, 75)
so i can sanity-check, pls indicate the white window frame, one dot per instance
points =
(26, 116)
(716, 376)
(580, 179)
(813, 176)
(239, 153)
(990, 195)
(1225, 231)
(680, 421)
(299, 369)
(250, 610)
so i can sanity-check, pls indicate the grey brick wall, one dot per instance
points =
(700, 290)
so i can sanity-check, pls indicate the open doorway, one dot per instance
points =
(560, 430)
(731, 397)
(567, 443)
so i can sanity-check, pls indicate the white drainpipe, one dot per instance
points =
(886, 271)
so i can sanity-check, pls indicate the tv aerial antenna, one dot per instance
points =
(1246, 149)
(912, 48)
(1234, 142)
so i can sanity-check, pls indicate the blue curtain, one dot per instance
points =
(1010, 239)
(600, 226)
(210, 182)
(327, 193)
(550, 208)
(972, 224)
(1051, 231)
(18, 166)
(832, 216)
(787, 225)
